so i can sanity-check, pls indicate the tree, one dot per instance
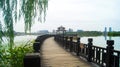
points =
(13, 10)
(0, 32)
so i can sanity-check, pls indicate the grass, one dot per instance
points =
(14, 57)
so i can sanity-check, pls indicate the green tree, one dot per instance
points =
(13, 10)
(0, 32)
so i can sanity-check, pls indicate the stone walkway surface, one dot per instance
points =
(55, 56)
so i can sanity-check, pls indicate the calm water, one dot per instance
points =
(21, 39)
(25, 38)
(98, 41)
(101, 41)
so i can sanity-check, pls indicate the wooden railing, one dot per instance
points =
(34, 59)
(104, 57)
(39, 41)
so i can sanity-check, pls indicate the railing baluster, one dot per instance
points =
(104, 57)
(94, 54)
(99, 55)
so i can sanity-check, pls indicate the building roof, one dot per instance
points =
(61, 28)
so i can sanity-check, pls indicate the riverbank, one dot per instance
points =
(86, 33)
(113, 33)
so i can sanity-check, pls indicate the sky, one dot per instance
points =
(88, 15)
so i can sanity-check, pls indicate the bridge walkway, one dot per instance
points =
(54, 55)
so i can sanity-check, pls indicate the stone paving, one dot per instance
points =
(54, 55)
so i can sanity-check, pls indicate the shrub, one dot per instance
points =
(14, 57)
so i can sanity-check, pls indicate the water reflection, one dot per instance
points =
(107, 37)
(110, 38)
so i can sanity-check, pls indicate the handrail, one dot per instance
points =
(34, 59)
(105, 57)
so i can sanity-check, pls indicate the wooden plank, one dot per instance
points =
(55, 56)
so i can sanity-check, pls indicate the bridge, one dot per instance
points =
(53, 55)
(64, 51)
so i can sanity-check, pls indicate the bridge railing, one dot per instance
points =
(104, 57)
(34, 59)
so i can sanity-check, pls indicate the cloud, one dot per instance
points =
(81, 14)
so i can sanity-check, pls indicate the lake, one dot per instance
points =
(98, 41)
(21, 39)
(101, 41)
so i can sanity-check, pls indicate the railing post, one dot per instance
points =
(78, 46)
(32, 60)
(90, 49)
(64, 41)
(36, 46)
(71, 44)
(109, 58)
(66, 38)
(59, 39)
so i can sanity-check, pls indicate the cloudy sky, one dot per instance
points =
(79, 14)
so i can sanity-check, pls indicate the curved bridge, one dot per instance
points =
(63, 51)
(54, 55)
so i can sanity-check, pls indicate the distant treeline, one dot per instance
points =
(114, 33)
(21, 34)
(87, 33)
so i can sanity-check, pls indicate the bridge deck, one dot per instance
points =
(55, 56)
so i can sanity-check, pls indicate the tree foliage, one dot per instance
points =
(13, 10)
(86, 33)
(114, 33)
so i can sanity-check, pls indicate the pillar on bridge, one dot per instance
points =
(66, 38)
(36, 46)
(109, 58)
(32, 60)
(89, 58)
(71, 44)
(78, 46)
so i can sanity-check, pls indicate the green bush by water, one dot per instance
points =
(14, 57)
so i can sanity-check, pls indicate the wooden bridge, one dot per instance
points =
(53, 55)
(62, 51)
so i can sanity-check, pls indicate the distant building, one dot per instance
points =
(61, 30)
(110, 29)
(43, 31)
(70, 30)
(105, 31)
(79, 30)
(54, 31)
